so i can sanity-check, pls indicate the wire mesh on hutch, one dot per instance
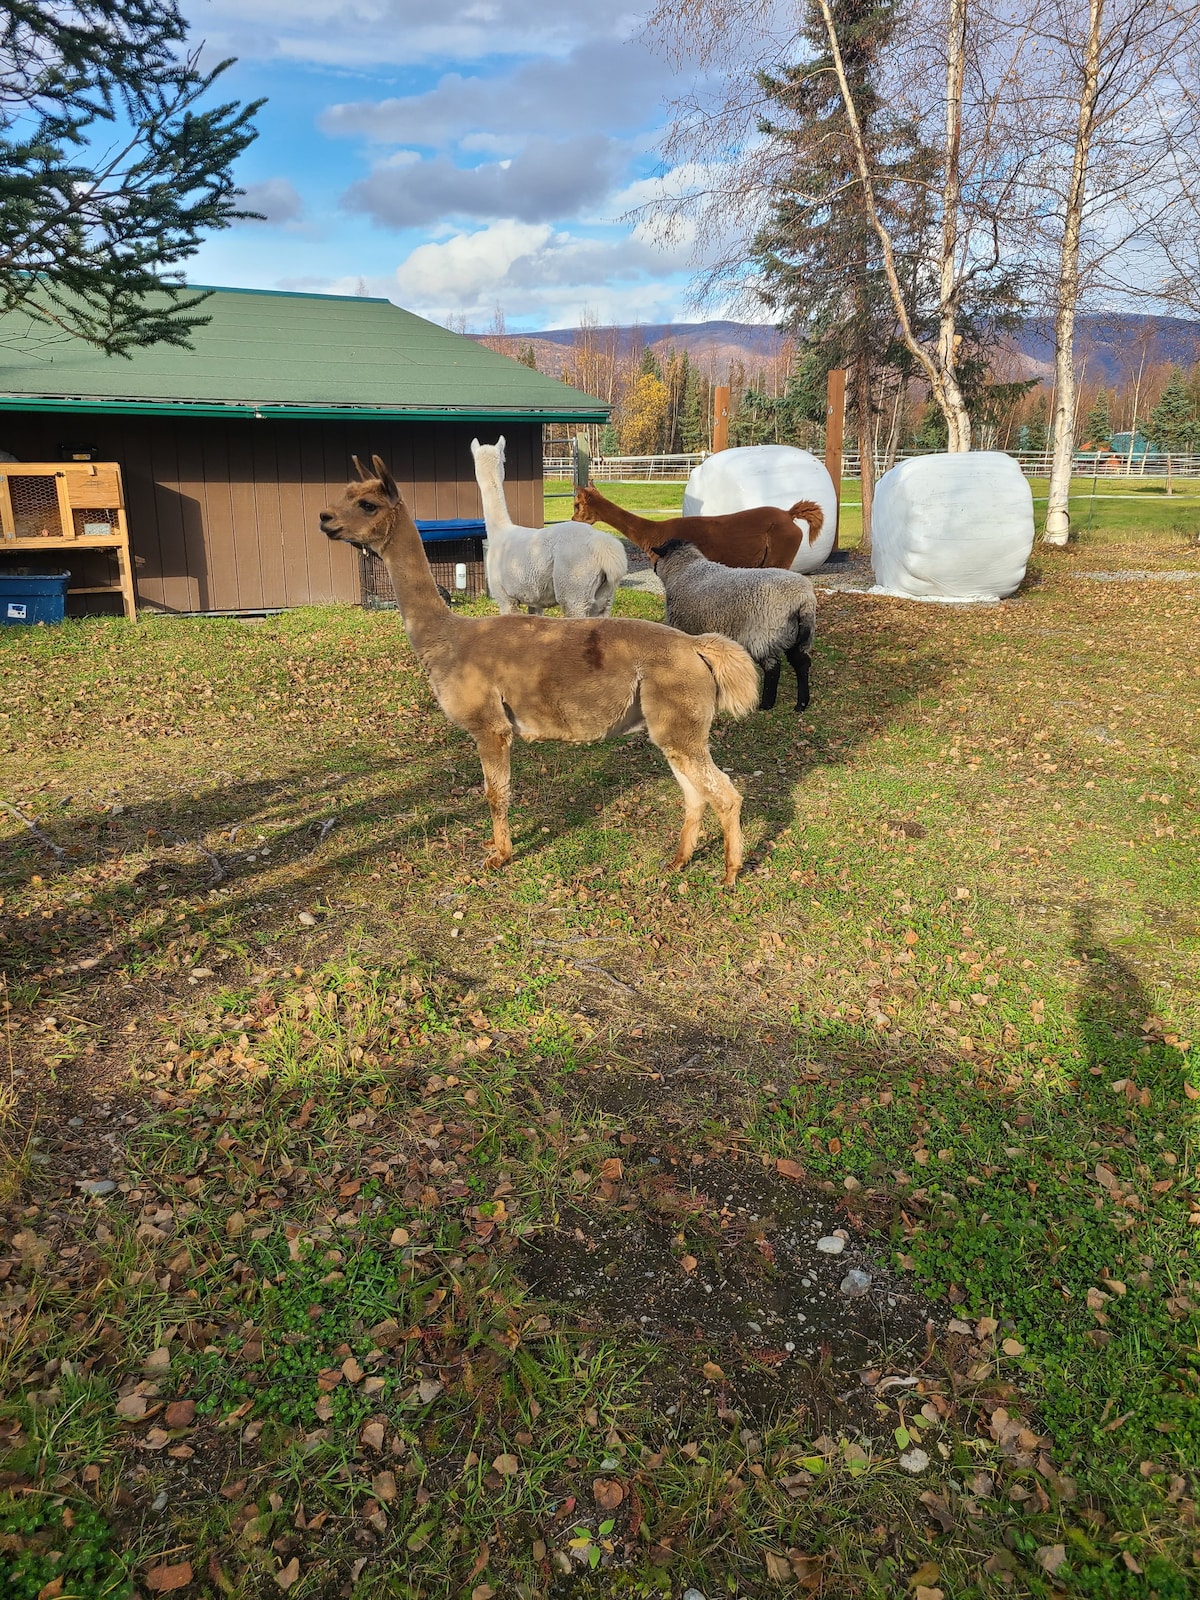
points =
(35, 506)
(456, 564)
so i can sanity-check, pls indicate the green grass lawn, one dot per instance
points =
(456, 1231)
(1119, 511)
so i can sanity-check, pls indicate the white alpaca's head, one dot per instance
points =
(489, 458)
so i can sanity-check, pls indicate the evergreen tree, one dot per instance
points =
(1098, 426)
(695, 431)
(528, 356)
(931, 434)
(818, 254)
(650, 366)
(1037, 430)
(1173, 423)
(110, 172)
(754, 420)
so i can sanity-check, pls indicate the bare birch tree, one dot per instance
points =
(1112, 97)
(727, 173)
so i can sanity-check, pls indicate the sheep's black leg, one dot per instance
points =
(800, 662)
(770, 683)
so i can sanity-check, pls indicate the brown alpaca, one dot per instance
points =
(572, 680)
(767, 536)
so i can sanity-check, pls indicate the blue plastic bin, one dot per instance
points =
(29, 597)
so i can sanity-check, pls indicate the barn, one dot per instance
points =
(229, 449)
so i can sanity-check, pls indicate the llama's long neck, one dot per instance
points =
(495, 507)
(427, 617)
(639, 529)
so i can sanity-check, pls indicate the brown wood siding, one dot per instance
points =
(223, 513)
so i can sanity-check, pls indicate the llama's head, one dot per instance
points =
(585, 510)
(365, 514)
(489, 459)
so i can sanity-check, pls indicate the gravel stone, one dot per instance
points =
(855, 1284)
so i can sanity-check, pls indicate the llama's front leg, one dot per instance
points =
(770, 683)
(702, 781)
(693, 812)
(495, 757)
(800, 662)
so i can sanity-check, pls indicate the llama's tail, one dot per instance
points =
(808, 511)
(610, 553)
(735, 673)
(608, 567)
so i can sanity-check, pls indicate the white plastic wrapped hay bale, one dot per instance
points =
(765, 475)
(952, 527)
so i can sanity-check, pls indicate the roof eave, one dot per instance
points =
(84, 404)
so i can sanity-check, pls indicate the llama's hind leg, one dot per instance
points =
(800, 662)
(703, 782)
(495, 757)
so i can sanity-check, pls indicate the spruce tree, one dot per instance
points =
(1098, 426)
(754, 421)
(1173, 423)
(1037, 429)
(694, 424)
(818, 254)
(111, 171)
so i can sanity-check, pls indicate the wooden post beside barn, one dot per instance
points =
(721, 417)
(835, 422)
(583, 462)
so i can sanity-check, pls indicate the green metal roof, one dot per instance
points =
(269, 353)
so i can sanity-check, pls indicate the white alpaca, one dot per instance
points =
(569, 564)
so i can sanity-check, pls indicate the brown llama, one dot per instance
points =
(575, 680)
(766, 536)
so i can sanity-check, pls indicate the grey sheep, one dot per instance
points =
(768, 611)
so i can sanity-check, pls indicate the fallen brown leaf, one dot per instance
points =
(607, 1493)
(166, 1579)
(287, 1576)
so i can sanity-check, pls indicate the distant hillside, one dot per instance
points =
(1109, 346)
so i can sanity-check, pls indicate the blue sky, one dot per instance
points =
(453, 155)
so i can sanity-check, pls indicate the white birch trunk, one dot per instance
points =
(1058, 509)
(958, 423)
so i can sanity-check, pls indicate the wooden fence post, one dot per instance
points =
(583, 462)
(721, 417)
(835, 422)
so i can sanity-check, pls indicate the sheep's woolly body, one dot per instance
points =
(569, 564)
(767, 611)
(770, 612)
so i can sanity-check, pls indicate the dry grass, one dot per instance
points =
(269, 991)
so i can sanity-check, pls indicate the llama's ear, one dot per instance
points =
(385, 478)
(500, 448)
(358, 467)
(475, 448)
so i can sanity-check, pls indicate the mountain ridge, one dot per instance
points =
(1109, 346)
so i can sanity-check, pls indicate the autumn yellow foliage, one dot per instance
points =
(643, 415)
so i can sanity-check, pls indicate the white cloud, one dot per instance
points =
(537, 273)
(277, 200)
(371, 34)
(606, 86)
(549, 179)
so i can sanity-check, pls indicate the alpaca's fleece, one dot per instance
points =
(569, 564)
(767, 611)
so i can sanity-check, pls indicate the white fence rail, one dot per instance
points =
(627, 469)
(676, 468)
